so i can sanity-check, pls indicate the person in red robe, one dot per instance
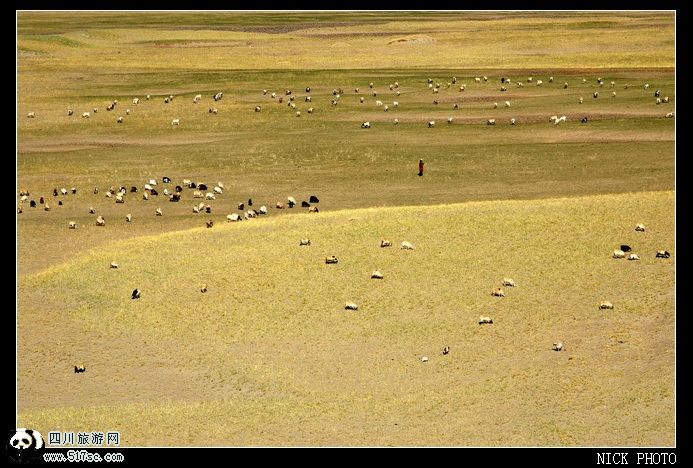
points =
(421, 167)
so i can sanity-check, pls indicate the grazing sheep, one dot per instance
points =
(633, 256)
(32, 203)
(175, 122)
(79, 368)
(406, 245)
(657, 93)
(424, 358)
(145, 196)
(159, 212)
(512, 121)
(625, 248)
(72, 225)
(196, 210)
(396, 121)
(311, 110)
(557, 346)
(551, 79)
(213, 110)
(313, 209)
(378, 103)
(279, 206)
(136, 293)
(209, 224)
(208, 209)
(385, 108)
(233, 217)
(136, 101)
(507, 103)
(250, 202)
(491, 122)
(595, 95)
(462, 88)
(218, 190)
(498, 292)
(449, 120)
(495, 105)
(431, 124)
(366, 125)
(483, 320)
(385, 243)
(298, 113)
(197, 99)
(351, 306)
(203, 288)
(63, 191)
(114, 265)
(508, 282)
(128, 218)
(100, 221)
(503, 88)
(640, 227)
(580, 100)
(606, 305)
(304, 242)
(395, 104)
(331, 259)
(613, 94)
(148, 97)
(361, 100)
(376, 275)
(665, 99)
(662, 254)
(539, 83)
(95, 110)
(658, 101)
(70, 112)
(618, 254)
(669, 115)
(446, 350)
(119, 198)
(197, 194)
(74, 190)
(86, 115)
(291, 201)
(584, 80)
(250, 214)
(92, 210)
(31, 115)
(529, 80)
(263, 210)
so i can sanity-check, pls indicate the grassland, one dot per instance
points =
(268, 356)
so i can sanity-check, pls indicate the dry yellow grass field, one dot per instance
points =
(268, 355)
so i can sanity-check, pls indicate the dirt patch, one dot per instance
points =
(412, 40)
(77, 144)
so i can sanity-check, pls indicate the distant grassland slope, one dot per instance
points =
(218, 41)
(269, 356)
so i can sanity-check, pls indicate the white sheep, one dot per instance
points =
(100, 221)
(197, 99)
(431, 124)
(507, 103)
(512, 121)
(159, 212)
(136, 101)
(508, 282)
(175, 122)
(498, 292)
(376, 275)
(618, 253)
(351, 306)
(31, 115)
(86, 115)
(606, 305)
(407, 245)
(633, 256)
(72, 225)
(491, 122)
(128, 218)
(483, 319)
(366, 125)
